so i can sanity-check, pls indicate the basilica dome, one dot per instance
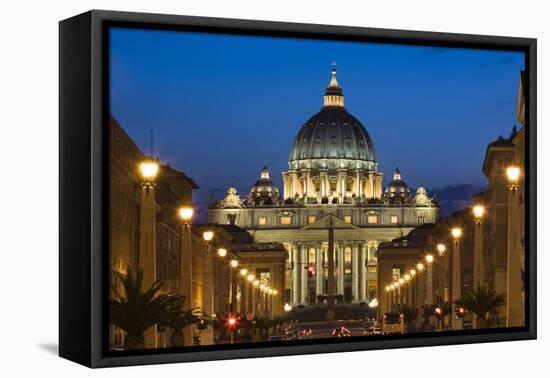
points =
(333, 136)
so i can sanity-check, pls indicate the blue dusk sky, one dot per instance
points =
(223, 106)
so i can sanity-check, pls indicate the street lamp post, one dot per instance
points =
(401, 293)
(429, 279)
(421, 294)
(388, 298)
(479, 264)
(514, 301)
(147, 236)
(243, 272)
(186, 265)
(442, 273)
(330, 270)
(414, 289)
(234, 274)
(408, 296)
(457, 271)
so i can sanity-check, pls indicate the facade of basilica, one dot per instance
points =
(332, 179)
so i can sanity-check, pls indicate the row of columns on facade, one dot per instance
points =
(415, 288)
(360, 254)
(302, 183)
(408, 290)
(255, 297)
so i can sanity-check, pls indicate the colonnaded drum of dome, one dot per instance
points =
(330, 246)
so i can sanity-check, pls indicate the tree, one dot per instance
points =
(184, 319)
(135, 310)
(481, 302)
(410, 315)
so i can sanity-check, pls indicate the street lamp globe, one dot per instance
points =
(243, 272)
(401, 281)
(413, 272)
(407, 277)
(441, 248)
(234, 263)
(429, 258)
(222, 252)
(478, 211)
(275, 292)
(250, 278)
(513, 174)
(185, 214)
(456, 232)
(420, 267)
(149, 170)
(388, 288)
(208, 235)
(287, 307)
(256, 283)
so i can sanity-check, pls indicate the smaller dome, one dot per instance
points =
(264, 189)
(397, 188)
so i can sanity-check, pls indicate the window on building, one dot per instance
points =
(347, 218)
(311, 219)
(393, 219)
(395, 274)
(311, 258)
(286, 220)
(421, 217)
(372, 219)
(265, 277)
(262, 221)
(347, 255)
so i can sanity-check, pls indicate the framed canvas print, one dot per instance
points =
(233, 188)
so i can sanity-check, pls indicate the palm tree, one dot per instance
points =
(135, 310)
(481, 302)
(184, 319)
(410, 315)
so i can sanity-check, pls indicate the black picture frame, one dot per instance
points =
(83, 196)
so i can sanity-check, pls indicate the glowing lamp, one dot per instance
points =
(388, 288)
(441, 248)
(413, 272)
(222, 252)
(513, 174)
(208, 235)
(429, 259)
(456, 232)
(420, 267)
(407, 277)
(243, 272)
(478, 211)
(256, 283)
(401, 281)
(149, 170)
(287, 307)
(186, 213)
(250, 278)
(234, 263)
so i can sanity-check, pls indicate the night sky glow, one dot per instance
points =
(224, 106)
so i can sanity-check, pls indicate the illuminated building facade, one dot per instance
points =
(332, 175)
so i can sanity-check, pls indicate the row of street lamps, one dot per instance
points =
(393, 289)
(149, 170)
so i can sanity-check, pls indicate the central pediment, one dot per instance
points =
(323, 224)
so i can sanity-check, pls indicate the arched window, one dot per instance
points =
(311, 256)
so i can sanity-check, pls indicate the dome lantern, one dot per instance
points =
(333, 93)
